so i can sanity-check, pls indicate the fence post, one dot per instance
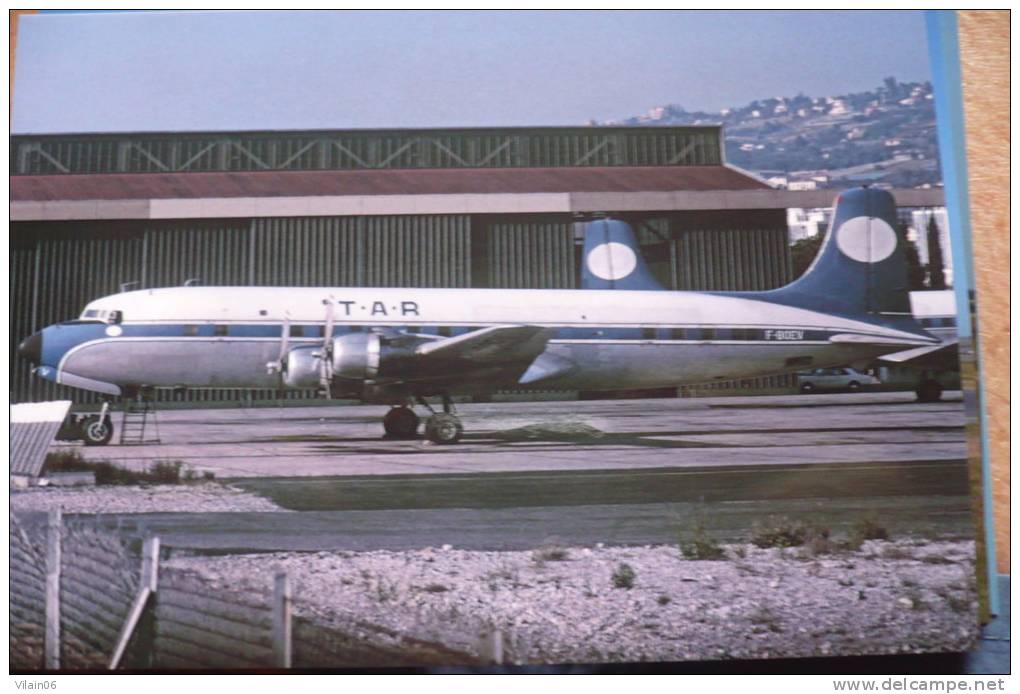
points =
(282, 641)
(52, 640)
(491, 647)
(146, 589)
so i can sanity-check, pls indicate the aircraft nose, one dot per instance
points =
(31, 348)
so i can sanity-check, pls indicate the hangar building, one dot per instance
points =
(482, 207)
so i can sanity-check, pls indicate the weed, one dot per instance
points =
(435, 588)
(663, 599)
(623, 576)
(779, 532)
(956, 602)
(385, 590)
(765, 617)
(895, 552)
(162, 472)
(935, 559)
(540, 556)
(868, 529)
(166, 471)
(700, 546)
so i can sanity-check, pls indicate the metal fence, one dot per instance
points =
(85, 596)
(365, 149)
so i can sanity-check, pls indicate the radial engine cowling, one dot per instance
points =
(356, 356)
(304, 367)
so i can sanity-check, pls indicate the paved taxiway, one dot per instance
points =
(566, 436)
(619, 472)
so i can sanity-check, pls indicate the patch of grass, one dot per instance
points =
(935, 559)
(895, 552)
(700, 546)
(161, 472)
(166, 471)
(540, 556)
(779, 531)
(868, 529)
(764, 618)
(623, 576)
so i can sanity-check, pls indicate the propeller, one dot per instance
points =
(277, 367)
(326, 354)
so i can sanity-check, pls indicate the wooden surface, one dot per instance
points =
(984, 55)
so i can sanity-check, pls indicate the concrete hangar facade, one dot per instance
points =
(487, 207)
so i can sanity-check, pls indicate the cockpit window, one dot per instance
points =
(115, 317)
(91, 313)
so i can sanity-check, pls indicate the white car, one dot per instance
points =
(840, 378)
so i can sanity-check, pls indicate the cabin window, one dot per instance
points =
(263, 312)
(297, 331)
(355, 328)
(413, 329)
(445, 331)
(708, 333)
(220, 330)
(115, 318)
(648, 333)
(190, 331)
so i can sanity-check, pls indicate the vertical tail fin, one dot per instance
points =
(861, 267)
(612, 258)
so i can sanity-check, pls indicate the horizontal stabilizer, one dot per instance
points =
(495, 345)
(546, 366)
(927, 353)
(854, 339)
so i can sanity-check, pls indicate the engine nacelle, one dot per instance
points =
(356, 356)
(304, 367)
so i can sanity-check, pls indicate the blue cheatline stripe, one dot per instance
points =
(943, 49)
(777, 335)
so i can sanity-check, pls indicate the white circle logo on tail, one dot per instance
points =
(866, 239)
(611, 261)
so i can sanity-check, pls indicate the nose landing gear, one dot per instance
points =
(444, 427)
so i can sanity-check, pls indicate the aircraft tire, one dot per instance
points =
(96, 431)
(853, 386)
(929, 391)
(401, 423)
(807, 387)
(443, 429)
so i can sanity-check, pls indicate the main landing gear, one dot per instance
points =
(440, 427)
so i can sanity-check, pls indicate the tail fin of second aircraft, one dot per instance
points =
(612, 258)
(861, 267)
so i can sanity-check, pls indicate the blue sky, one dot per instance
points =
(131, 71)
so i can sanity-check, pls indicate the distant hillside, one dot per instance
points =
(885, 136)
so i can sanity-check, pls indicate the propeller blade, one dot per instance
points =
(326, 361)
(276, 367)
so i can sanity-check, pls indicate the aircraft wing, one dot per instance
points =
(489, 346)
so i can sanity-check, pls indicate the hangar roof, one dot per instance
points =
(268, 184)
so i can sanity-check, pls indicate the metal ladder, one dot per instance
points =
(134, 425)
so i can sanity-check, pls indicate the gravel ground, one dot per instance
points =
(561, 605)
(194, 497)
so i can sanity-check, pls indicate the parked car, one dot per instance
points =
(840, 378)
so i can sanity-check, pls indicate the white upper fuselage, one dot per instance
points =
(464, 307)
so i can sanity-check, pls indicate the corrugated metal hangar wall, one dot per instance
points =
(58, 266)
